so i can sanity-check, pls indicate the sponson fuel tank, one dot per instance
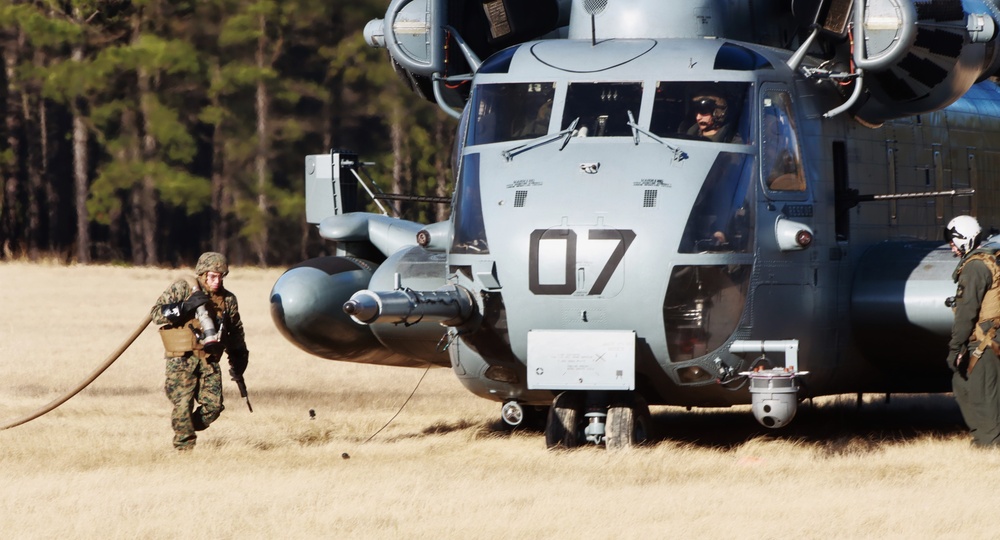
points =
(307, 306)
(898, 306)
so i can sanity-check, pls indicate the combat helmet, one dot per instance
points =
(211, 261)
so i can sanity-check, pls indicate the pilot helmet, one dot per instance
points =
(963, 231)
(711, 104)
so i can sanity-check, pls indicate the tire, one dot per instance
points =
(562, 425)
(627, 425)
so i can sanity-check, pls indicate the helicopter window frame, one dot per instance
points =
(602, 107)
(782, 173)
(458, 149)
(510, 111)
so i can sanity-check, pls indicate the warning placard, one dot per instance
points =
(581, 360)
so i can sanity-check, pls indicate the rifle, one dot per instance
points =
(242, 386)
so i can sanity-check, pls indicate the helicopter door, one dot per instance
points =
(780, 156)
(786, 274)
(786, 203)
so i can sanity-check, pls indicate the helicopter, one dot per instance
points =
(702, 204)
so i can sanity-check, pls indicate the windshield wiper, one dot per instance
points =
(544, 139)
(679, 155)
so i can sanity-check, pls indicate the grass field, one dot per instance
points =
(102, 465)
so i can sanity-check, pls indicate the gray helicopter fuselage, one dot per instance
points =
(703, 204)
(615, 232)
(585, 232)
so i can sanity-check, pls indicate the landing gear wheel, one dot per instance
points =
(529, 417)
(628, 424)
(562, 426)
(512, 414)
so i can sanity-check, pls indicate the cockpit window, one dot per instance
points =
(602, 108)
(738, 58)
(781, 166)
(510, 112)
(702, 111)
(722, 218)
(470, 233)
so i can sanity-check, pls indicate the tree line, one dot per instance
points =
(148, 131)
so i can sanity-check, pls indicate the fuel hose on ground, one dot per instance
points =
(90, 378)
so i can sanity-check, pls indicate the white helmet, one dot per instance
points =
(963, 231)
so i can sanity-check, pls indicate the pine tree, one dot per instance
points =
(168, 126)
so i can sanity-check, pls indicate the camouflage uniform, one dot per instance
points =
(193, 377)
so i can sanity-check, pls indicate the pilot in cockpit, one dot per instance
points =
(534, 122)
(711, 119)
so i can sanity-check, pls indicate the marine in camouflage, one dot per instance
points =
(193, 378)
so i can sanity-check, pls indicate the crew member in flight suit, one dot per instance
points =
(193, 377)
(711, 119)
(972, 351)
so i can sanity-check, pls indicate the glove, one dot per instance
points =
(193, 302)
(214, 348)
(237, 367)
(172, 312)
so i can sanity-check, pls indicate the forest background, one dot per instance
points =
(148, 131)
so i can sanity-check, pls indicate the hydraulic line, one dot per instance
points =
(90, 378)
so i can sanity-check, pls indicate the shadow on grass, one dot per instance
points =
(439, 428)
(123, 391)
(832, 425)
(837, 425)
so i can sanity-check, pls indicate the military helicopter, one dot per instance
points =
(699, 203)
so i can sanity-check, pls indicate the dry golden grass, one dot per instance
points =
(102, 466)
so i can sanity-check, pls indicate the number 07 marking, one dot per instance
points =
(624, 237)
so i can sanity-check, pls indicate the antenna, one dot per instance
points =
(594, 8)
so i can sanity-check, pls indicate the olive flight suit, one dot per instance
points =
(976, 381)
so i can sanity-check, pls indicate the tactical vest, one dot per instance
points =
(183, 340)
(989, 309)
